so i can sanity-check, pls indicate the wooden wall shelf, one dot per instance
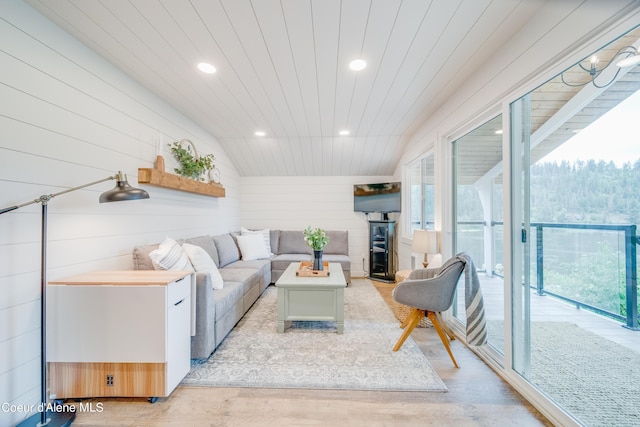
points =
(159, 178)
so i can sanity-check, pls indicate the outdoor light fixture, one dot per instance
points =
(122, 192)
(627, 56)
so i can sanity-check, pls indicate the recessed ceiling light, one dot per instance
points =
(344, 132)
(499, 132)
(206, 68)
(577, 130)
(358, 64)
(259, 133)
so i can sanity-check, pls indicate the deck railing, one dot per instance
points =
(631, 286)
(630, 317)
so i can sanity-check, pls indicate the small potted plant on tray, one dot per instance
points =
(317, 239)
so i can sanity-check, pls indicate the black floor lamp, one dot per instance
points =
(122, 192)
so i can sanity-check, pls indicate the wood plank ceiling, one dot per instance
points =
(282, 67)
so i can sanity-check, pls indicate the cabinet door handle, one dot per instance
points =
(180, 279)
(179, 302)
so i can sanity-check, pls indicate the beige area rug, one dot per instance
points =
(400, 311)
(595, 379)
(312, 355)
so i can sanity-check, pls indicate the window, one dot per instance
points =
(421, 195)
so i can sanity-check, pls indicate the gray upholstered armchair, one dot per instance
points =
(429, 292)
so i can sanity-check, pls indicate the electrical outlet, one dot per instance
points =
(110, 380)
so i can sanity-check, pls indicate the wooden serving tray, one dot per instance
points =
(305, 270)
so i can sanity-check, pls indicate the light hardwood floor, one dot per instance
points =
(476, 397)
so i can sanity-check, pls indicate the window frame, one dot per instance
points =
(421, 162)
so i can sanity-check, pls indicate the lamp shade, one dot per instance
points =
(425, 241)
(123, 191)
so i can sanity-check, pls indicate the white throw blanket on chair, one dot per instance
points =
(474, 304)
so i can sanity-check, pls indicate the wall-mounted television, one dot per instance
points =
(383, 197)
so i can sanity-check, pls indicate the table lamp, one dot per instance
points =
(425, 242)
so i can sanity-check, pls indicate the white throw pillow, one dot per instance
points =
(170, 256)
(266, 235)
(203, 263)
(252, 247)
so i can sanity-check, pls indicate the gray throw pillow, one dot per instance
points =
(292, 242)
(206, 243)
(227, 249)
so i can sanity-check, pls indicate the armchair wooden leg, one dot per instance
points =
(445, 340)
(445, 328)
(413, 312)
(415, 318)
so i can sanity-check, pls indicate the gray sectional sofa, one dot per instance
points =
(218, 310)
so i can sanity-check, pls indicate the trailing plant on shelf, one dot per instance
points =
(316, 238)
(192, 165)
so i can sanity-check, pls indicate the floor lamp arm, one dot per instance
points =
(46, 197)
(9, 209)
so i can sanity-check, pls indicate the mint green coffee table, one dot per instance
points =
(318, 298)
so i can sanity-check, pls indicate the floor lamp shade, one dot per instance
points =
(123, 191)
(425, 242)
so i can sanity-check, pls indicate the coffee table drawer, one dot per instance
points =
(311, 304)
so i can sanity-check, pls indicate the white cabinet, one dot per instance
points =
(119, 333)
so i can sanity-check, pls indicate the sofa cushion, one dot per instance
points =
(227, 249)
(338, 243)
(170, 256)
(203, 263)
(292, 242)
(252, 247)
(206, 243)
(274, 236)
(281, 262)
(263, 266)
(344, 260)
(141, 258)
(247, 276)
(226, 298)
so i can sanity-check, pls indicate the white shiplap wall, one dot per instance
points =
(68, 118)
(294, 203)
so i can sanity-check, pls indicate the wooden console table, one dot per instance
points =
(119, 333)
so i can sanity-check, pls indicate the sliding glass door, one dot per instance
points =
(477, 222)
(573, 259)
(560, 280)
